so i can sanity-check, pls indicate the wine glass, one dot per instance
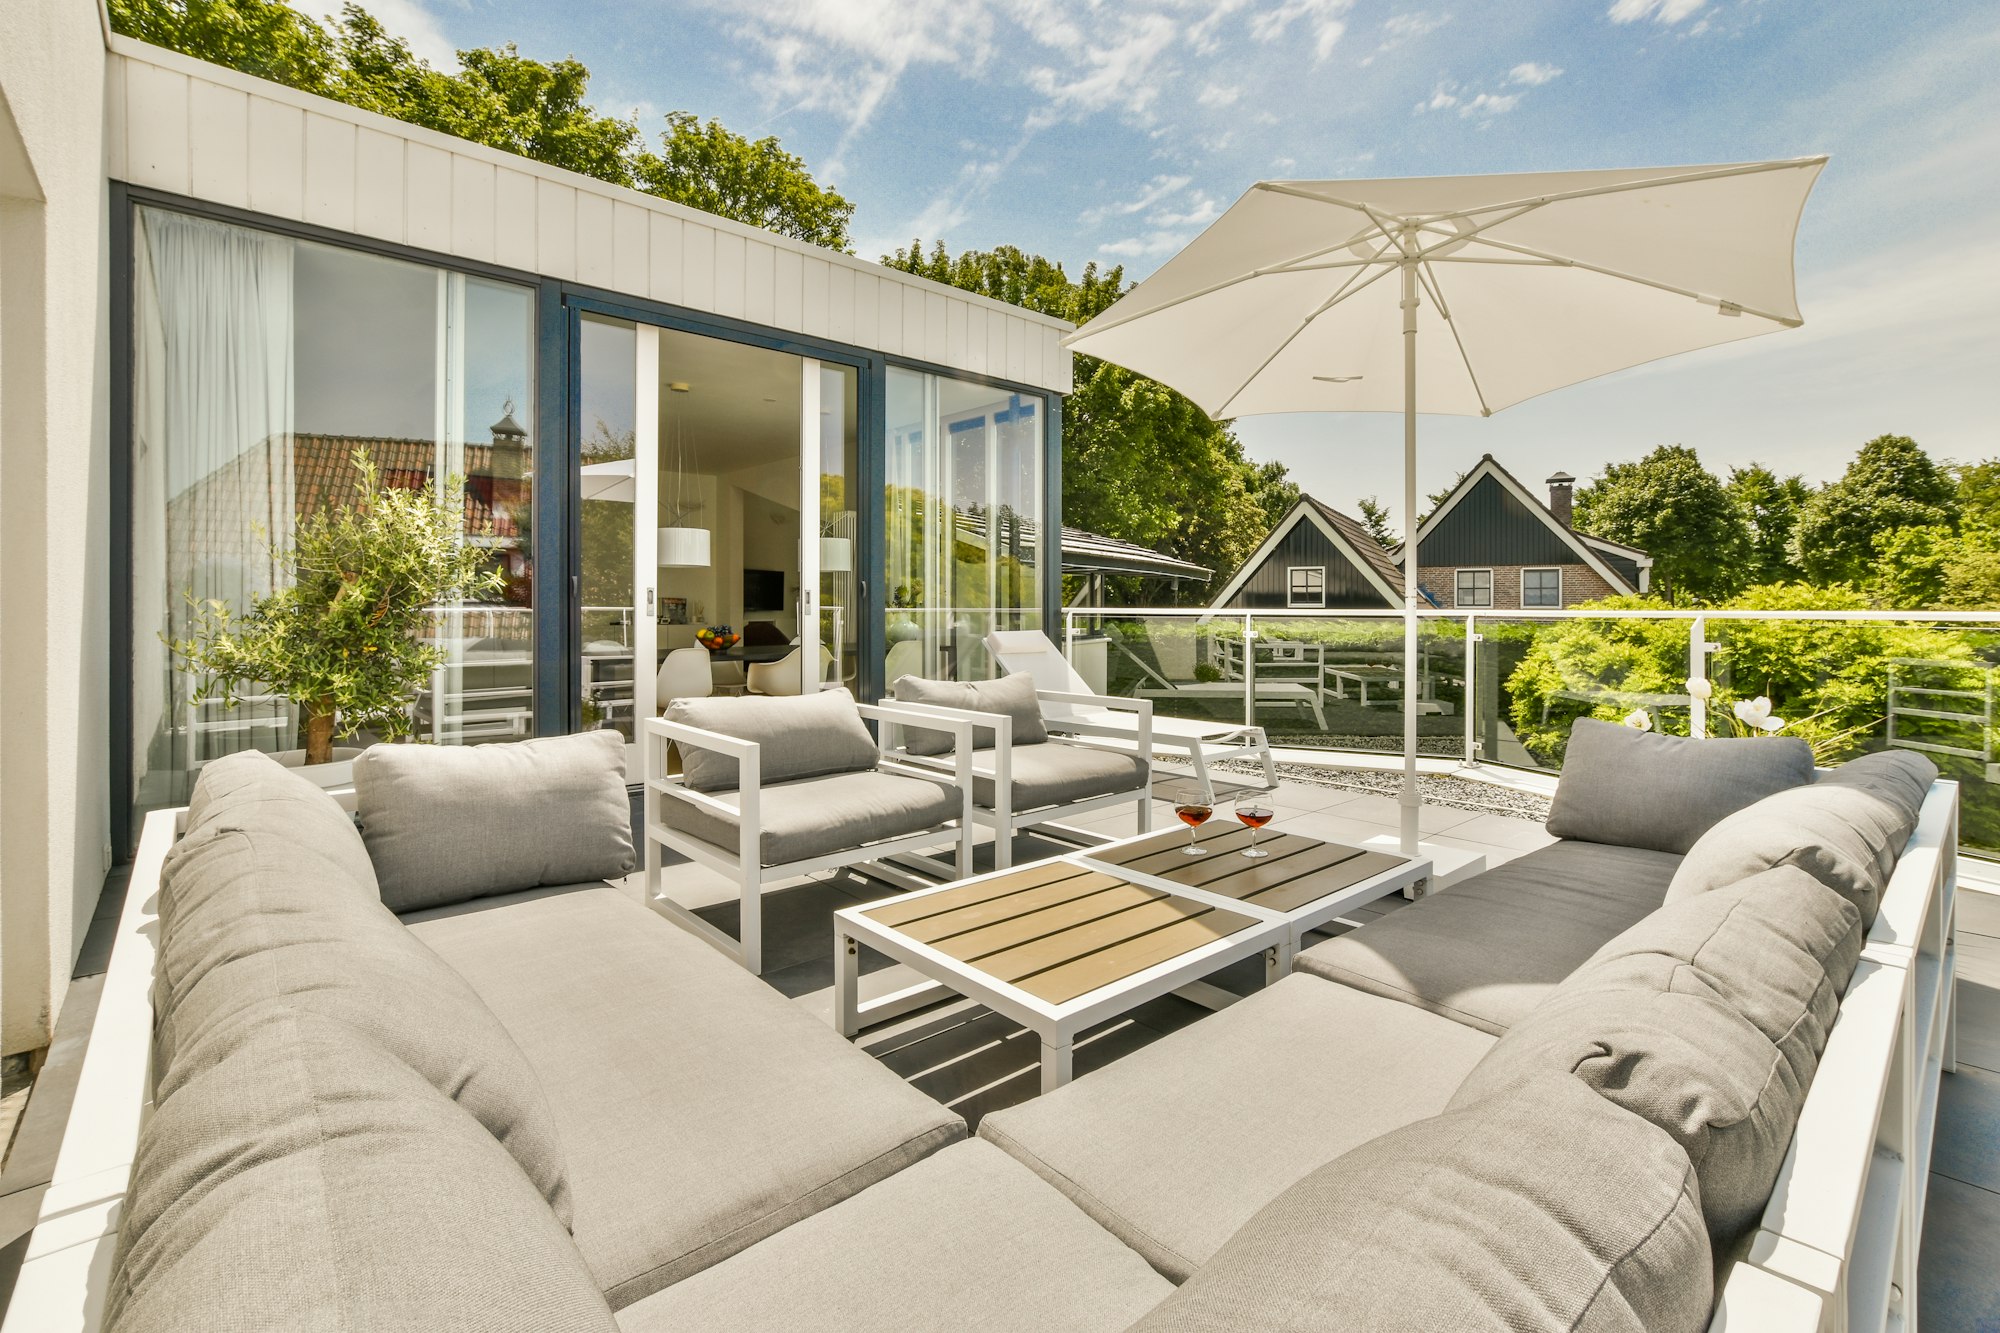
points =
(1254, 814)
(1194, 812)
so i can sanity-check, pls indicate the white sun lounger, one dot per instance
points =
(1030, 653)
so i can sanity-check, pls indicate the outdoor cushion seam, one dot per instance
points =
(1401, 995)
(1078, 1190)
(1612, 1268)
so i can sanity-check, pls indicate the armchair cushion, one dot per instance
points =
(444, 823)
(1059, 774)
(1637, 789)
(802, 736)
(1012, 695)
(816, 816)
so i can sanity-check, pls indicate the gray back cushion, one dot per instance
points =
(799, 736)
(445, 823)
(1638, 789)
(1541, 1207)
(1707, 1019)
(251, 792)
(1012, 695)
(258, 922)
(300, 1177)
(1846, 830)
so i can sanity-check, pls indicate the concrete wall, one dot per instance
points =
(55, 543)
(195, 129)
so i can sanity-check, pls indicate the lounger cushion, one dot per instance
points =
(305, 1178)
(700, 1110)
(1060, 774)
(1641, 789)
(816, 816)
(445, 823)
(967, 1239)
(1484, 952)
(1175, 1146)
(1707, 1019)
(1013, 696)
(1540, 1208)
(798, 736)
(257, 921)
(1847, 830)
(250, 792)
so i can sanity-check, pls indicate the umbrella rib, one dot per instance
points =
(1436, 290)
(1566, 262)
(1347, 289)
(1683, 178)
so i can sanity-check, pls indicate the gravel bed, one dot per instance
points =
(1456, 793)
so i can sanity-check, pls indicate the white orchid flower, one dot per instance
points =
(1698, 687)
(1756, 714)
(1638, 719)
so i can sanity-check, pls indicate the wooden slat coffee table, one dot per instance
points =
(1062, 945)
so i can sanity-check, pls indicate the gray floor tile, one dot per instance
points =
(1967, 1146)
(1978, 911)
(1979, 958)
(1979, 1024)
(1958, 1287)
(798, 923)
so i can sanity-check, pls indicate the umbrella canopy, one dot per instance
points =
(614, 481)
(1309, 296)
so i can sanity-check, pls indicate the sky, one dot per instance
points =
(1113, 132)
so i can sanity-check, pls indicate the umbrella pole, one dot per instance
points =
(1412, 797)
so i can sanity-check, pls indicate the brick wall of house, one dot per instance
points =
(1580, 583)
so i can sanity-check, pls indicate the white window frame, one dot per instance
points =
(1292, 596)
(1458, 597)
(1541, 569)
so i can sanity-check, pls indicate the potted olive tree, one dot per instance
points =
(344, 637)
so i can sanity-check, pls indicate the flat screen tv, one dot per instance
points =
(763, 590)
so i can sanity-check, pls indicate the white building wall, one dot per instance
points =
(195, 129)
(55, 547)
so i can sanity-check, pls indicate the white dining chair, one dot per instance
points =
(684, 675)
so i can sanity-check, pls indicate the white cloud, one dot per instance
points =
(1321, 17)
(1660, 11)
(1533, 74)
(1216, 96)
(1443, 98)
(1151, 194)
(1400, 28)
(1488, 105)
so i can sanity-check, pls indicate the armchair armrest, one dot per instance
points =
(961, 725)
(1142, 734)
(748, 810)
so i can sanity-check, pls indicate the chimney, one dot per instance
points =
(1562, 491)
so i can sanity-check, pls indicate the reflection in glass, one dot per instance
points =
(608, 357)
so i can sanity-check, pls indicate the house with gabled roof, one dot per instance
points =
(1314, 558)
(1492, 544)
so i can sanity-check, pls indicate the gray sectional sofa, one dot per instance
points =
(436, 1073)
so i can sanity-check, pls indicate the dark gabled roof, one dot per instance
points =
(1362, 540)
(1346, 532)
(1619, 561)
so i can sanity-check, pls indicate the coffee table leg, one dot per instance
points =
(846, 985)
(1055, 1064)
(1278, 960)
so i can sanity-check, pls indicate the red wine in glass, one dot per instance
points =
(1194, 814)
(1254, 816)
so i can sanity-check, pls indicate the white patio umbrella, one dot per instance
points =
(1305, 294)
(614, 481)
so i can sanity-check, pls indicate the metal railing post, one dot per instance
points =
(1069, 636)
(1698, 650)
(1249, 671)
(1471, 704)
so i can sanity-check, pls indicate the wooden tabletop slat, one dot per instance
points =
(1028, 902)
(905, 910)
(1243, 877)
(1039, 955)
(1172, 837)
(1080, 976)
(974, 945)
(1216, 870)
(1297, 892)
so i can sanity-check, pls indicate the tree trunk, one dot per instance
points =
(319, 732)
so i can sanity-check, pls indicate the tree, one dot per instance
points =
(1771, 506)
(1140, 461)
(503, 99)
(1376, 518)
(1670, 506)
(1979, 492)
(1890, 484)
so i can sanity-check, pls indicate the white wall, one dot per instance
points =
(195, 129)
(54, 504)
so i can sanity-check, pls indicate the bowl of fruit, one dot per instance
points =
(716, 638)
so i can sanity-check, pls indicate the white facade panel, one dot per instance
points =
(594, 238)
(913, 321)
(813, 297)
(219, 144)
(156, 120)
(955, 350)
(996, 343)
(473, 203)
(788, 292)
(555, 229)
(937, 337)
(329, 173)
(628, 247)
(840, 303)
(1017, 349)
(760, 283)
(664, 258)
(378, 185)
(513, 218)
(729, 277)
(867, 309)
(889, 336)
(427, 187)
(277, 158)
(698, 266)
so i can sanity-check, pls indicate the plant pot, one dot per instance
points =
(338, 773)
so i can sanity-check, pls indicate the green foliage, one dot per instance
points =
(1670, 506)
(503, 99)
(344, 634)
(1140, 462)
(1978, 492)
(1771, 505)
(1890, 484)
(1376, 518)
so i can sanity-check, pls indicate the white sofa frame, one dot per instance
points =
(998, 764)
(746, 865)
(1836, 1250)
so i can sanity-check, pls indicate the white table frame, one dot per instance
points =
(1277, 935)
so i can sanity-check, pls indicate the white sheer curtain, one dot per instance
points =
(213, 490)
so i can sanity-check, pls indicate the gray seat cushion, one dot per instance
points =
(259, 921)
(297, 1176)
(1642, 789)
(1706, 1019)
(815, 816)
(1174, 1147)
(967, 1239)
(700, 1111)
(1057, 774)
(1486, 951)
(251, 792)
(1846, 830)
(1540, 1208)
(798, 736)
(1012, 695)
(445, 823)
